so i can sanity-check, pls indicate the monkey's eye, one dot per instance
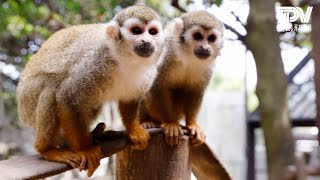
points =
(153, 31)
(136, 30)
(212, 38)
(197, 36)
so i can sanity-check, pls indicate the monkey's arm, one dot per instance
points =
(160, 105)
(137, 134)
(192, 106)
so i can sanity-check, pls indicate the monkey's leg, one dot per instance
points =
(164, 107)
(192, 106)
(47, 129)
(78, 135)
(173, 132)
(138, 135)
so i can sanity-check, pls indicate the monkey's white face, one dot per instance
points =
(203, 44)
(143, 40)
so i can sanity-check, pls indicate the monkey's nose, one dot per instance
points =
(202, 53)
(144, 49)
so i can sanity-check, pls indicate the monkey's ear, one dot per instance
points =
(175, 27)
(112, 29)
(223, 28)
(220, 34)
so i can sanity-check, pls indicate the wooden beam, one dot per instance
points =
(30, 167)
(111, 142)
(35, 167)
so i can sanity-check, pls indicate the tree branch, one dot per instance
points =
(175, 3)
(240, 36)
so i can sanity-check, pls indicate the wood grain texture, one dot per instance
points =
(158, 162)
(30, 167)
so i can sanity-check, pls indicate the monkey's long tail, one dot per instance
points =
(205, 164)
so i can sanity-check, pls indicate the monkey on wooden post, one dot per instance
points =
(192, 44)
(65, 84)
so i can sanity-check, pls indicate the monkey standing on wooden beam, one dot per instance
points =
(77, 69)
(193, 42)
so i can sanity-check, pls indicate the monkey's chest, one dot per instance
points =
(131, 83)
(187, 75)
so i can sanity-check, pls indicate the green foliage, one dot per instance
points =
(220, 83)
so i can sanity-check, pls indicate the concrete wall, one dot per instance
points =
(222, 117)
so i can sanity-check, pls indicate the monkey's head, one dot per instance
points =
(137, 32)
(199, 34)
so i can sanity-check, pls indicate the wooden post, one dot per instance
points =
(158, 162)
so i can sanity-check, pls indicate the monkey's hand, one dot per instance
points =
(150, 124)
(139, 136)
(197, 136)
(173, 132)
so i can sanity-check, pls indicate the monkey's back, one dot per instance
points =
(52, 63)
(64, 47)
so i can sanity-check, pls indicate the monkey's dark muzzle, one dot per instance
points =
(202, 53)
(144, 49)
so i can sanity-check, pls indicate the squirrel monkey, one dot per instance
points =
(193, 41)
(65, 84)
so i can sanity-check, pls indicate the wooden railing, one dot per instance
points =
(35, 167)
(174, 162)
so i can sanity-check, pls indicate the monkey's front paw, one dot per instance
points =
(140, 137)
(173, 132)
(90, 159)
(150, 124)
(197, 136)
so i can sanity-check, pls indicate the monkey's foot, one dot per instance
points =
(90, 159)
(173, 132)
(63, 156)
(140, 137)
(197, 136)
(150, 124)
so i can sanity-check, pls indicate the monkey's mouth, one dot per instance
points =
(144, 49)
(202, 53)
